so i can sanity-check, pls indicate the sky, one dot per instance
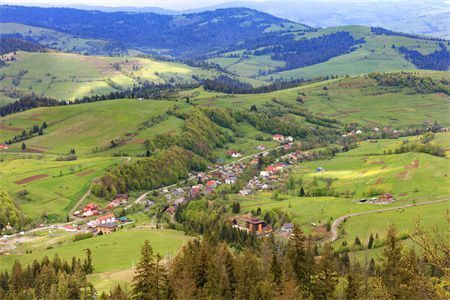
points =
(169, 4)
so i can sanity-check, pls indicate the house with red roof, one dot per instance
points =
(3, 147)
(278, 137)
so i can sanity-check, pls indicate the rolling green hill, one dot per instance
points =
(59, 40)
(68, 76)
(358, 99)
(376, 54)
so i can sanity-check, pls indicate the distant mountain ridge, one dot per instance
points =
(188, 35)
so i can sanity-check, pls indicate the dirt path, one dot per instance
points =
(338, 221)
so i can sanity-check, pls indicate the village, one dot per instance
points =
(103, 220)
(106, 220)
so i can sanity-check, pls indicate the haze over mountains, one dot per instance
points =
(419, 17)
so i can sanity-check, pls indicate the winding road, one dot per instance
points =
(338, 221)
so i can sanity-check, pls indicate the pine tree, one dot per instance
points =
(392, 263)
(302, 192)
(87, 265)
(143, 281)
(24, 146)
(370, 243)
(353, 289)
(301, 260)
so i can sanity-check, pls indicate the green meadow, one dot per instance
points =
(84, 127)
(410, 177)
(47, 189)
(113, 255)
(69, 76)
(357, 99)
(430, 215)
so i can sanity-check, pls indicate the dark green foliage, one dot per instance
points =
(9, 213)
(10, 44)
(162, 169)
(82, 236)
(370, 243)
(150, 280)
(55, 279)
(438, 60)
(418, 84)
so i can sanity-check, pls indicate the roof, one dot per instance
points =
(109, 225)
(106, 217)
(122, 196)
(254, 221)
(288, 225)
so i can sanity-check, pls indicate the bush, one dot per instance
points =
(82, 236)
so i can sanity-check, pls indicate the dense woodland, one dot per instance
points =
(49, 279)
(172, 165)
(12, 44)
(438, 60)
(9, 212)
(183, 34)
(306, 52)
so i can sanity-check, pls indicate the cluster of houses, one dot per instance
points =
(92, 209)
(206, 184)
(386, 198)
(272, 174)
(282, 139)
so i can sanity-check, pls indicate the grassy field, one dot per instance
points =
(114, 255)
(357, 99)
(54, 39)
(69, 76)
(410, 177)
(83, 127)
(46, 188)
(362, 226)
(376, 54)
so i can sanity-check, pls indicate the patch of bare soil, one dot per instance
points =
(85, 173)
(31, 179)
(9, 128)
(322, 231)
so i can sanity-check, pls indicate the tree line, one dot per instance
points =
(294, 269)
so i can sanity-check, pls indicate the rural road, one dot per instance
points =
(338, 221)
(144, 195)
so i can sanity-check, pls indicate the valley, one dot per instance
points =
(217, 140)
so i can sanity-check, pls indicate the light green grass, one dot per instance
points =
(69, 76)
(362, 226)
(83, 127)
(357, 99)
(54, 195)
(113, 255)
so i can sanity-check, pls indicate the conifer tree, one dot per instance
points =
(143, 281)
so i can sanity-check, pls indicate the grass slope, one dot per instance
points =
(69, 76)
(358, 99)
(375, 55)
(82, 127)
(46, 188)
(357, 171)
(113, 255)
